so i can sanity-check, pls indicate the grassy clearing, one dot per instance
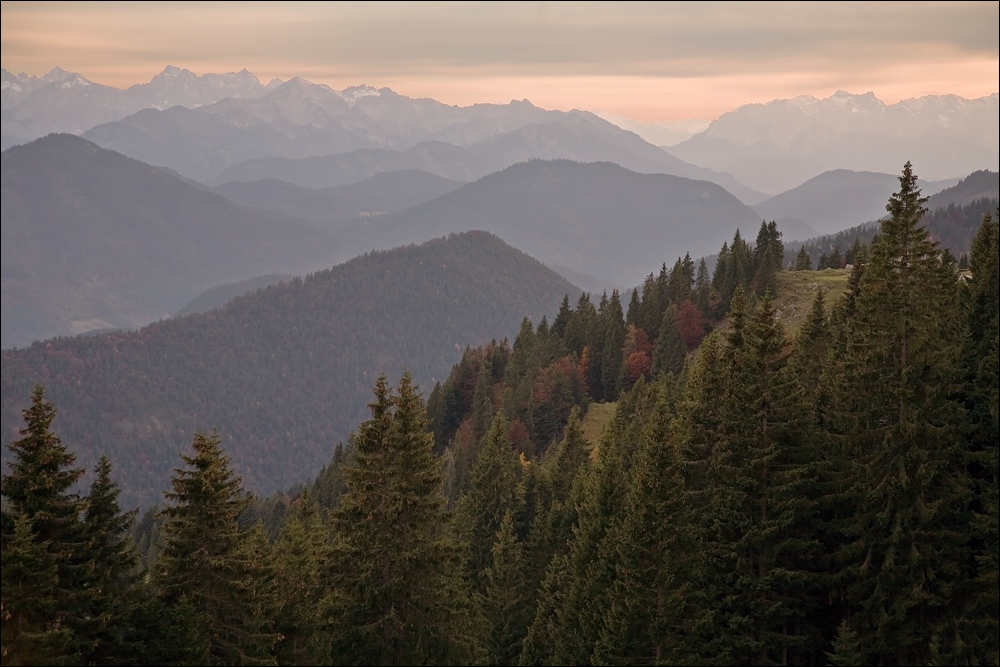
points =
(598, 416)
(797, 289)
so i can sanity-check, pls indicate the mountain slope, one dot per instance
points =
(335, 207)
(92, 239)
(774, 146)
(285, 372)
(597, 218)
(977, 185)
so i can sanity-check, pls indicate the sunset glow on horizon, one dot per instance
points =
(646, 61)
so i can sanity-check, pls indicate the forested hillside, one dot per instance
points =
(284, 373)
(758, 498)
(954, 227)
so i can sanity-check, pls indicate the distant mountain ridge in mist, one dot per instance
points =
(837, 200)
(343, 205)
(248, 139)
(599, 218)
(774, 146)
(94, 240)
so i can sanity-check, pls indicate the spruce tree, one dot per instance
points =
(32, 631)
(300, 556)
(38, 497)
(394, 600)
(803, 262)
(760, 532)
(493, 493)
(893, 414)
(614, 338)
(649, 548)
(112, 575)
(503, 605)
(670, 352)
(980, 372)
(204, 561)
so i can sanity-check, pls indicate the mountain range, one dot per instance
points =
(64, 101)
(776, 146)
(93, 240)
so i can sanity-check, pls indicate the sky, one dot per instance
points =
(648, 61)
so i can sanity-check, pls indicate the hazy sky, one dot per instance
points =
(648, 61)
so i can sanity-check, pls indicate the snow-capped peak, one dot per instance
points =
(354, 93)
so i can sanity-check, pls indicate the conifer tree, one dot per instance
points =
(614, 338)
(504, 603)
(759, 537)
(204, 561)
(300, 556)
(893, 414)
(980, 372)
(493, 493)
(670, 350)
(649, 547)
(703, 287)
(810, 351)
(38, 497)
(803, 262)
(561, 322)
(112, 564)
(393, 599)
(32, 633)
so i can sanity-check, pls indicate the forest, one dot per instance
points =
(759, 498)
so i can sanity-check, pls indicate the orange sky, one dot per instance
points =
(651, 61)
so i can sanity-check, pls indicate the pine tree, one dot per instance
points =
(393, 565)
(204, 561)
(38, 498)
(893, 415)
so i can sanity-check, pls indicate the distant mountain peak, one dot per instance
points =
(352, 94)
(58, 75)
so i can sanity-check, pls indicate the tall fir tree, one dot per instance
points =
(393, 599)
(493, 493)
(980, 372)
(300, 557)
(893, 415)
(112, 575)
(503, 605)
(670, 352)
(41, 519)
(204, 561)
